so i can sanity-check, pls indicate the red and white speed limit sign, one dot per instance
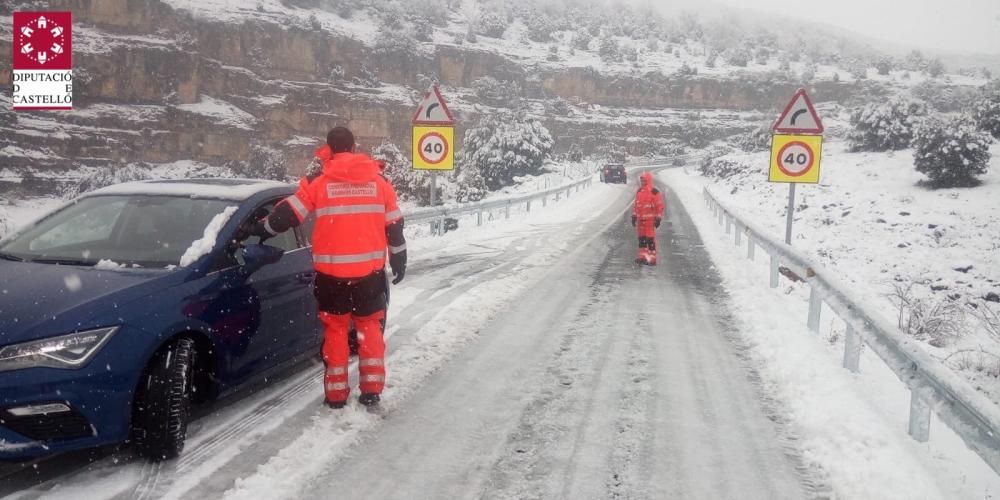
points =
(432, 148)
(796, 158)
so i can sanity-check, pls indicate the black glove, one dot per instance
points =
(256, 229)
(397, 262)
(657, 222)
(633, 221)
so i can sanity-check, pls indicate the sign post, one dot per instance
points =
(796, 148)
(433, 139)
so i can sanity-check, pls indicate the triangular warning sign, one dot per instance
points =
(799, 117)
(433, 110)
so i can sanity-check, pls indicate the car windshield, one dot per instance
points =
(135, 230)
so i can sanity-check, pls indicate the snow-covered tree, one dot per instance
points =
(107, 176)
(504, 146)
(491, 24)
(884, 65)
(915, 61)
(710, 60)
(986, 111)
(264, 163)
(951, 152)
(401, 40)
(540, 27)
(884, 126)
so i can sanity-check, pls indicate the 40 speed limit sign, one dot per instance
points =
(795, 158)
(433, 148)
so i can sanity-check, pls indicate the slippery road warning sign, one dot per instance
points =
(433, 148)
(799, 117)
(795, 158)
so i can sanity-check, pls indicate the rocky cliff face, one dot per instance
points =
(156, 84)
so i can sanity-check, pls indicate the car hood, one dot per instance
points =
(41, 300)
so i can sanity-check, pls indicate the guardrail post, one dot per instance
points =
(920, 414)
(852, 350)
(545, 200)
(568, 191)
(815, 307)
(729, 224)
(739, 234)
(506, 211)
(774, 271)
(722, 214)
(557, 195)
(479, 217)
(528, 206)
(751, 247)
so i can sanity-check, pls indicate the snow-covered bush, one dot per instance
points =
(884, 65)
(366, 77)
(915, 61)
(630, 53)
(540, 27)
(581, 39)
(470, 36)
(951, 152)
(986, 111)
(264, 163)
(504, 146)
(738, 56)
(808, 72)
(936, 321)
(884, 126)
(558, 106)
(553, 55)
(391, 40)
(710, 60)
(935, 67)
(611, 152)
(470, 181)
(758, 139)
(495, 92)
(686, 70)
(575, 153)
(722, 168)
(608, 49)
(696, 134)
(5, 225)
(491, 25)
(108, 176)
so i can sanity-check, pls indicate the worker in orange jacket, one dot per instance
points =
(357, 220)
(647, 213)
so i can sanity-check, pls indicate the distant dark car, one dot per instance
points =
(124, 307)
(614, 174)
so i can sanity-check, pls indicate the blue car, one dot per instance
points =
(130, 304)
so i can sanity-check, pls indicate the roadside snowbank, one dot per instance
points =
(852, 426)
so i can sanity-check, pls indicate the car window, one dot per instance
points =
(92, 225)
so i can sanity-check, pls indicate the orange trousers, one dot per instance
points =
(336, 354)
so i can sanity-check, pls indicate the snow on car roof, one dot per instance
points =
(224, 189)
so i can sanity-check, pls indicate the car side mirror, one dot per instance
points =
(258, 256)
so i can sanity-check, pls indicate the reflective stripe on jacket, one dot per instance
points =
(353, 205)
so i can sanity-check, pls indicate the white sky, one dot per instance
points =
(968, 26)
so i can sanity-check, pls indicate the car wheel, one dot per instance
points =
(163, 401)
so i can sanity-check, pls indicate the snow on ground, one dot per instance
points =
(222, 112)
(853, 426)
(869, 221)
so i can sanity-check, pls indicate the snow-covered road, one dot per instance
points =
(605, 380)
(528, 359)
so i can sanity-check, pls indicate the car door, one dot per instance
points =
(262, 316)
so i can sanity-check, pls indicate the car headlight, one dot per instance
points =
(66, 351)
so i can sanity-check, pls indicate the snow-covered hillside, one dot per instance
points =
(931, 252)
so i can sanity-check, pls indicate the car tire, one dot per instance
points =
(162, 404)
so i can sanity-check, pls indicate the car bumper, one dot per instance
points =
(46, 410)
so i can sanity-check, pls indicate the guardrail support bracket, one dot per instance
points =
(852, 350)
(774, 271)
(815, 307)
(751, 248)
(920, 414)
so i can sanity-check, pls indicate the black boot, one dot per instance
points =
(336, 405)
(369, 399)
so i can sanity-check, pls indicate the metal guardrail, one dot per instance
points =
(933, 386)
(436, 215)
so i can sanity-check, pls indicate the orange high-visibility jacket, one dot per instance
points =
(353, 205)
(648, 204)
